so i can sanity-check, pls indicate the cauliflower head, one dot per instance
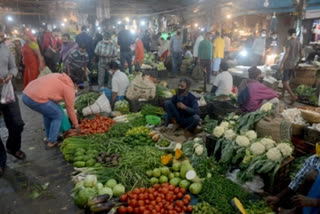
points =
(199, 150)
(235, 117)
(268, 143)
(266, 107)
(257, 148)
(242, 141)
(229, 134)
(274, 154)
(252, 135)
(225, 125)
(218, 131)
(285, 149)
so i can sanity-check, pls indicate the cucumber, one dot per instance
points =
(78, 158)
(80, 150)
(79, 164)
(90, 163)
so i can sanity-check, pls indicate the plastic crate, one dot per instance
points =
(210, 145)
(136, 105)
(163, 74)
(311, 135)
(282, 178)
(151, 72)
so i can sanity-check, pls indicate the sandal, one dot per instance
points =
(52, 145)
(18, 154)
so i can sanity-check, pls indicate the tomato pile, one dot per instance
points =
(158, 199)
(98, 125)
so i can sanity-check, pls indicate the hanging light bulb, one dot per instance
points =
(266, 3)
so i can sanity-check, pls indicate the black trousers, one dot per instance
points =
(14, 123)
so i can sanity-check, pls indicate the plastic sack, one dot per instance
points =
(65, 123)
(101, 105)
(141, 88)
(7, 93)
(45, 72)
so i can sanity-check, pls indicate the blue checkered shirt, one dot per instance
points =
(312, 163)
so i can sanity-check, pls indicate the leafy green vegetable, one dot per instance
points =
(148, 109)
(85, 100)
(209, 124)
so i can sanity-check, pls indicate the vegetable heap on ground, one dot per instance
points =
(98, 125)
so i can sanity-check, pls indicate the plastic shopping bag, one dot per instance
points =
(65, 123)
(7, 94)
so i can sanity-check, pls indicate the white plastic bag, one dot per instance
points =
(7, 93)
(101, 105)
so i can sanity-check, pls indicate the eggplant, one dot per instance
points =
(102, 207)
(99, 199)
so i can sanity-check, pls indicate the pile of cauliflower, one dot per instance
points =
(255, 146)
(293, 115)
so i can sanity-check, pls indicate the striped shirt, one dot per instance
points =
(77, 61)
(312, 163)
(105, 50)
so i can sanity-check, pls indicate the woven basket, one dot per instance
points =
(297, 130)
(309, 108)
(282, 178)
(310, 117)
(304, 81)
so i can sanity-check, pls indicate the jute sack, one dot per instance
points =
(141, 88)
(277, 128)
(197, 73)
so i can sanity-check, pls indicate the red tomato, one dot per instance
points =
(151, 190)
(178, 209)
(122, 210)
(140, 203)
(130, 209)
(151, 197)
(189, 208)
(171, 187)
(187, 197)
(141, 196)
(165, 190)
(154, 203)
(136, 191)
(158, 208)
(146, 212)
(186, 201)
(132, 202)
(176, 190)
(162, 211)
(142, 209)
(179, 203)
(179, 195)
(153, 211)
(124, 198)
(134, 196)
(183, 191)
(170, 207)
(147, 201)
(142, 190)
(158, 199)
(156, 186)
(136, 210)
(146, 195)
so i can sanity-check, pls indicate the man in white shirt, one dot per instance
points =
(120, 82)
(223, 83)
(196, 46)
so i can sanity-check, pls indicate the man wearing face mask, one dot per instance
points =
(77, 64)
(67, 47)
(273, 43)
(258, 49)
(183, 107)
(120, 82)
(11, 111)
(106, 51)
(176, 47)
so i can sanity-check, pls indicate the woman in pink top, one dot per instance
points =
(256, 92)
(43, 94)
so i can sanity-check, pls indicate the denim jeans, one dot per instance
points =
(14, 123)
(126, 57)
(176, 62)
(52, 116)
(190, 123)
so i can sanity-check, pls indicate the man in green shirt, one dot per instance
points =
(205, 55)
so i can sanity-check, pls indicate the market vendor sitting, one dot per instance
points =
(253, 94)
(120, 83)
(303, 191)
(223, 83)
(183, 107)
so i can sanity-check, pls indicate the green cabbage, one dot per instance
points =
(82, 197)
(118, 190)
(90, 181)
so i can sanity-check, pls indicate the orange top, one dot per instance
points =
(54, 87)
(139, 51)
